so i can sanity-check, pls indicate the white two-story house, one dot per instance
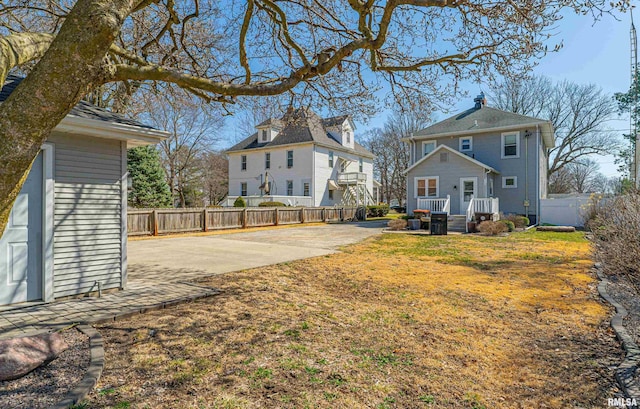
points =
(302, 159)
(482, 160)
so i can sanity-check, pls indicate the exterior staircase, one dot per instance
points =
(457, 223)
(357, 195)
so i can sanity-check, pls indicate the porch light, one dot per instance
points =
(455, 187)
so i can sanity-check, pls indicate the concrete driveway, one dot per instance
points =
(188, 258)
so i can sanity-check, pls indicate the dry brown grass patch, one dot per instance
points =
(394, 322)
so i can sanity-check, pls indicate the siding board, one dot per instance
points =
(87, 239)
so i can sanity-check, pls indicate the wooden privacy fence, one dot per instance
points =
(162, 221)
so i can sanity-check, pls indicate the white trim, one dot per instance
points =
(547, 135)
(463, 209)
(460, 139)
(426, 187)
(48, 195)
(462, 155)
(434, 143)
(133, 135)
(123, 215)
(502, 136)
(339, 148)
(504, 182)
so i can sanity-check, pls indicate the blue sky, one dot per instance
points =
(595, 53)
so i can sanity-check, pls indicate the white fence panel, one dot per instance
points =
(568, 211)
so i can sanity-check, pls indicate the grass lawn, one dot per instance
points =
(397, 321)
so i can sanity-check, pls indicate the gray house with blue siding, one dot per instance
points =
(483, 160)
(67, 232)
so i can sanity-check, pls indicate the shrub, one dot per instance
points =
(510, 225)
(271, 204)
(518, 221)
(377, 211)
(239, 202)
(615, 236)
(491, 228)
(397, 224)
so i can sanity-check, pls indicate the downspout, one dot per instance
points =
(538, 199)
(526, 173)
(312, 188)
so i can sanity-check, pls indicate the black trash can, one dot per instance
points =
(439, 223)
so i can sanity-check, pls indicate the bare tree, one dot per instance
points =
(579, 177)
(582, 175)
(222, 51)
(215, 176)
(603, 184)
(193, 130)
(579, 114)
(392, 155)
(560, 181)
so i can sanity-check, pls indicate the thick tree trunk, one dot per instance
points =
(70, 68)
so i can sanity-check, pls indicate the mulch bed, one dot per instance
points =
(49, 384)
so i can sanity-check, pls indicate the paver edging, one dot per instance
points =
(91, 377)
(625, 373)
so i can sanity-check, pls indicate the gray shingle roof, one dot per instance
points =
(475, 119)
(299, 126)
(82, 110)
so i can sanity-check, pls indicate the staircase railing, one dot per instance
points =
(447, 205)
(355, 195)
(469, 214)
(486, 205)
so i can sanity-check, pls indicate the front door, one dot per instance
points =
(468, 189)
(21, 243)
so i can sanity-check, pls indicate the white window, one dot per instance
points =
(510, 145)
(331, 159)
(360, 165)
(243, 162)
(466, 143)
(426, 187)
(264, 135)
(289, 187)
(306, 189)
(348, 138)
(509, 182)
(289, 159)
(267, 160)
(428, 147)
(490, 187)
(243, 189)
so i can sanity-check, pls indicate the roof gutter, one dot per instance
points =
(546, 136)
(133, 135)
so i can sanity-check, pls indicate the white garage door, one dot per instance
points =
(21, 244)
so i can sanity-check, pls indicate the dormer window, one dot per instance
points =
(348, 138)
(264, 135)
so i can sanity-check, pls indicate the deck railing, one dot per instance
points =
(435, 205)
(486, 205)
(351, 177)
(481, 205)
(254, 201)
(162, 221)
